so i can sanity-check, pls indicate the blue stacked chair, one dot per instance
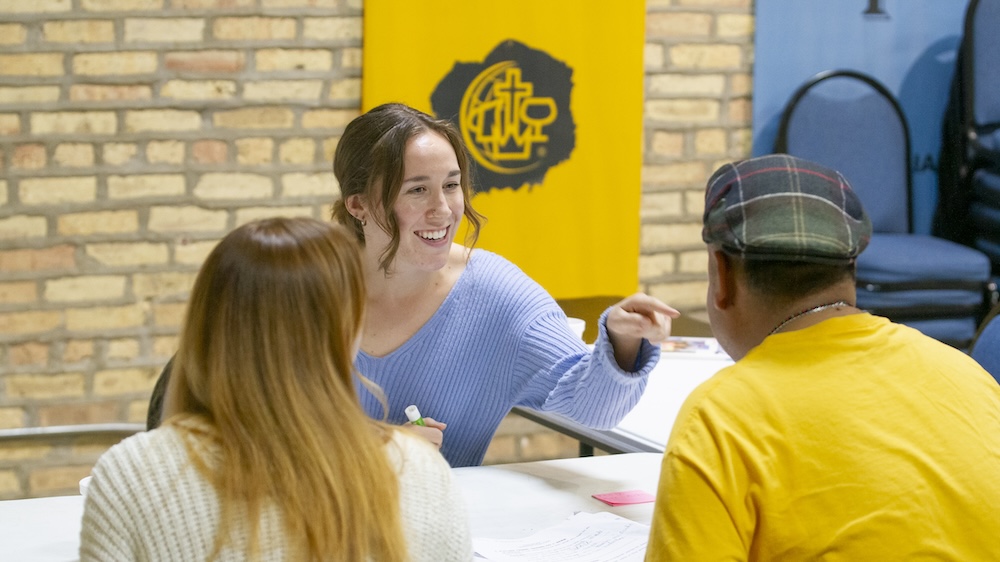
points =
(850, 122)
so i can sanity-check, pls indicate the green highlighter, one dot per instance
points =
(413, 414)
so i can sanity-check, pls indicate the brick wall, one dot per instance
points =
(135, 133)
(698, 90)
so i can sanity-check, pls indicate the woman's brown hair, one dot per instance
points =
(266, 361)
(369, 162)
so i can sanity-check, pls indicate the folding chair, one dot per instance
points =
(980, 87)
(850, 122)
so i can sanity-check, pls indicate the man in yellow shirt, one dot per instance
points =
(836, 435)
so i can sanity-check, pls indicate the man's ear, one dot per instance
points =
(724, 283)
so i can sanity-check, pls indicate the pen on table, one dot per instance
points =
(413, 414)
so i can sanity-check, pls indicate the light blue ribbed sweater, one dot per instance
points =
(498, 341)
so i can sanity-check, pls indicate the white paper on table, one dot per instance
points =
(702, 347)
(673, 378)
(584, 537)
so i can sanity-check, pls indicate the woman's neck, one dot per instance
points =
(401, 303)
(401, 283)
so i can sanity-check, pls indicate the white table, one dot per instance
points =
(515, 500)
(505, 501)
(647, 427)
(40, 530)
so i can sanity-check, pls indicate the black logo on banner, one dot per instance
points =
(513, 112)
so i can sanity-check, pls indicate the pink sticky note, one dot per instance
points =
(627, 497)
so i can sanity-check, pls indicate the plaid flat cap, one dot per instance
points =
(782, 208)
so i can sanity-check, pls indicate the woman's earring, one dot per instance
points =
(363, 222)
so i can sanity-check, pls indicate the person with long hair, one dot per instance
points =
(265, 452)
(463, 333)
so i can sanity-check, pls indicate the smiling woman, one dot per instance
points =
(429, 206)
(463, 333)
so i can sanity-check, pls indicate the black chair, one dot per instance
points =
(154, 415)
(980, 88)
(850, 122)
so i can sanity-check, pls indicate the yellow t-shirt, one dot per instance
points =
(853, 439)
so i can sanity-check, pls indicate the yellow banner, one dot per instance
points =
(548, 96)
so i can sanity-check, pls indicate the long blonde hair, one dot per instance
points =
(266, 357)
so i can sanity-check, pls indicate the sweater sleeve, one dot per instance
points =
(147, 501)
(106, 531)
(431, 506)
(589, 388)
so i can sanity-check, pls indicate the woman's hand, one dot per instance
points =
(432, 430)
(635, 318)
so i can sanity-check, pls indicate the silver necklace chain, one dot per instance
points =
(807, 312)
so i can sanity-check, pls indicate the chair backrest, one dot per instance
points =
(850, 122)
(981, 73)
(154, 414)
(986, 347)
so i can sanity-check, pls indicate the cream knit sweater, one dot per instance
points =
(148, 502)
